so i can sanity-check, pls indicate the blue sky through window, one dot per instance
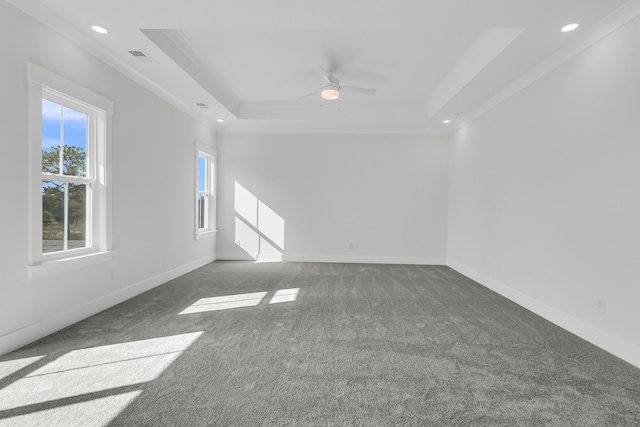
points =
(50, 125)
(75, 126)
(202, 173)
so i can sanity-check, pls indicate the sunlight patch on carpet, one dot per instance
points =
(10, 366)
(97, 413)
(225, 302)
(90, 370)
(285, 295)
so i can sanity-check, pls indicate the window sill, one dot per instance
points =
(47, 268)
(206, 234)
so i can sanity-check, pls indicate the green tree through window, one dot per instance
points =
(73, 160)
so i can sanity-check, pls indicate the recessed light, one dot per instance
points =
(100, 30)
(569, 27)
(219, 120)
(446, 121)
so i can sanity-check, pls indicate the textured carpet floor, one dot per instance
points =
(358, 345)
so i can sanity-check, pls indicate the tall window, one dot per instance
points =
(205, 191)
(69, 205)
(66, 180)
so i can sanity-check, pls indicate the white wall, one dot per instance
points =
(386, 194)
(153, 186)
(544, 193)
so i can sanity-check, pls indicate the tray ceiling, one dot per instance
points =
(250, 61)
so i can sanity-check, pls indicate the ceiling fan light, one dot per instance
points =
(330, 93)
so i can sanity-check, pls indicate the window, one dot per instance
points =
(69, 200)
(65, 178)
(205, 191)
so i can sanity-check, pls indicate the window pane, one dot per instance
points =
(52, 216)
(64, 140)
(202, 210)
(77, 215)
(202, 173)
(75, 142)
(51, 119)
(64, 220)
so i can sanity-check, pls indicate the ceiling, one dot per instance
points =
(250, 61)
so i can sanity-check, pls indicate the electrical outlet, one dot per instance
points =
(111, 274)
(350, 245)
(600, 305)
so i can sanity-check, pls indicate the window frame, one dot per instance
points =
(44, 84)
(210, 156)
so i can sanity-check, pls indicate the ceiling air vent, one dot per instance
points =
(202, 105)
(141, 55)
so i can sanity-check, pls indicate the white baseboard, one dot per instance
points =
(236, 257)
(610, 343)
(365, 259)
(41, 329)
(348, 259)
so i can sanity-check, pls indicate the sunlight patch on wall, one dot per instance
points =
(247, 238)
(271, 225)
(225, 302)
(259, 230)
(96, 369)
(268, 252)
(246, 205)
(285, 295)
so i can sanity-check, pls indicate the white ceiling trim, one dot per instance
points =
(305, 126)
(611, 23)
(177, 47)
(329, 110)
(489, 44)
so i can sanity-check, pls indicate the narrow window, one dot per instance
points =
(203, 194)
(205, 206)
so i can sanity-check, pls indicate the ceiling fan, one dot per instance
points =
(331, 87)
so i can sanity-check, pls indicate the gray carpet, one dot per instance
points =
(358, 345)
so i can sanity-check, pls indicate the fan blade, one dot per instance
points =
(315, 92)
(362, 90)
(324, 76)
